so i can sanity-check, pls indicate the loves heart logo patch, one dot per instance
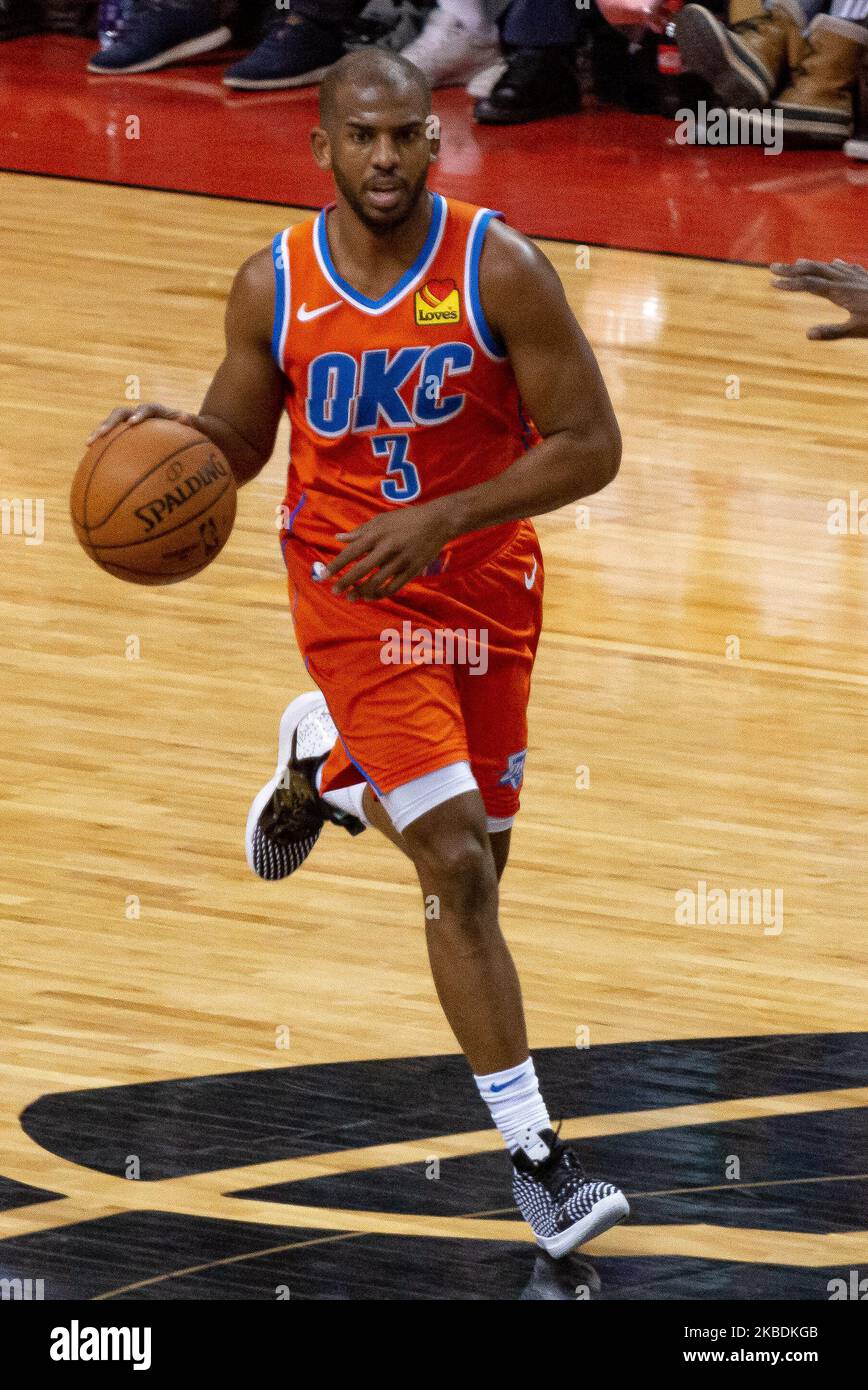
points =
(435, 291)
(438, 301)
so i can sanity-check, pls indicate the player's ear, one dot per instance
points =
(321, 147)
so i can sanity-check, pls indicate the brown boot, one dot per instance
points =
(817, 106)
(743, 63)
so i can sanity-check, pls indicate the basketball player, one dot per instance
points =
(440, 393)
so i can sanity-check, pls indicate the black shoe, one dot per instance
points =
(538, 83)
(562, 1206)
(19, 17)
(395, 29)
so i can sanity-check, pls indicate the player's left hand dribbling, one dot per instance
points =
(385, 553)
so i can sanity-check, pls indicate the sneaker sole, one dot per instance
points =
(815, 122)
(256, 84)
(456, 74)
(289, 722)
(607, 1213)
(525, 117)
(709, 49)
(218, 38)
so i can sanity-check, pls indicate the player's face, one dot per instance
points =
(379, 154)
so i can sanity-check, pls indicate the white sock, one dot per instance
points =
(517, 1107)
(346, 798)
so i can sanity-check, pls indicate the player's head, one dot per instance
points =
(375, 134)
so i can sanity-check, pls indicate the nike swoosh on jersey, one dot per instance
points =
(530, 579)
(304, 313)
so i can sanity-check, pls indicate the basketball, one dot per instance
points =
(153, 503)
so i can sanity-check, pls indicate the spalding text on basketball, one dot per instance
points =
(153, 512)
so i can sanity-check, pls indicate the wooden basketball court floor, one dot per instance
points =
(216, 1088)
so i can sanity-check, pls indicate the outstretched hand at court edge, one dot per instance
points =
(844, 284)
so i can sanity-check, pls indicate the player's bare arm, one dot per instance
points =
(560, 383)
(241, 411)
(841, 282)
(564, 392)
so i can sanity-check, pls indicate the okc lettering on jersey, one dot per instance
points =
(349, 395)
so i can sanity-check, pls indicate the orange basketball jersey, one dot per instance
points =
(395, 400)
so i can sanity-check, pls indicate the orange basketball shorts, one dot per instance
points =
(437, 674)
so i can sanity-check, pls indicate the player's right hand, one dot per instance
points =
(135, 414)
(841, 282)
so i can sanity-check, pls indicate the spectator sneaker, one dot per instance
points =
(818, 103)
(742, 63)
(452, 55)
(386, 24)
(153, 35)
(294, 52)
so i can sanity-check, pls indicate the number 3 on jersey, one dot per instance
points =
(402, 484)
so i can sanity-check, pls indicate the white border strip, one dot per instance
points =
(287, 295)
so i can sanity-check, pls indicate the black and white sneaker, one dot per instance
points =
(287, 815)
(562, 1206)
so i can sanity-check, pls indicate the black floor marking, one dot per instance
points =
(780, 1147)
(18, 1194)
(101, 1256)
(803, 1172)
(199, 1124)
